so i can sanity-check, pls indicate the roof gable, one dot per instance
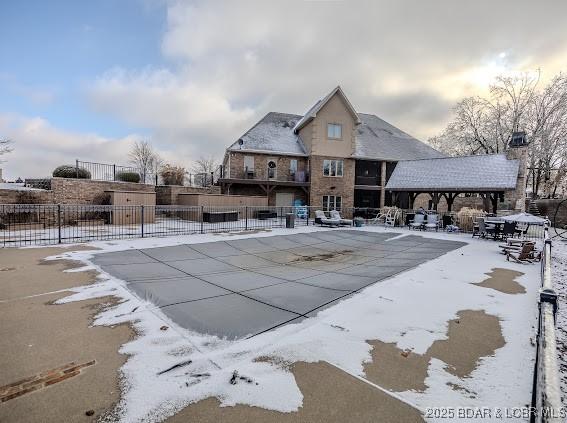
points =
(312, 112)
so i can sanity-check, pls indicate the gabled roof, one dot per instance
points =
(272, 134)
(312, 112)
(492, 172)
(376, 138)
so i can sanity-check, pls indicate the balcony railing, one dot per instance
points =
(299, 176)
(367, 180)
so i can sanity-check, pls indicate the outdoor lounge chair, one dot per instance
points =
(432, 222)
(514, 247)
(417, 222)
(321, 219)
(336, 215)
(526, 255)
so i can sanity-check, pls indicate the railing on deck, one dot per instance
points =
(546, 394)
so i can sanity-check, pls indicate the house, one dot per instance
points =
(333, 157)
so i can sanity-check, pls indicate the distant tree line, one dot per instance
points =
(484, 125)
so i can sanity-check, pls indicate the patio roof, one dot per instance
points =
(484, 173)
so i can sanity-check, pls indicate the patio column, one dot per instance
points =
(435, 199)
(411, 197)
(382, 184)
(450, 197)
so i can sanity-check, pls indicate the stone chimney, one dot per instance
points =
(518, 150)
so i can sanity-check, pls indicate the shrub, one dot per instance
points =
(128, 176)
(70, 171)
(172, 175)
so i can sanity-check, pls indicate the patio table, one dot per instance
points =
(498, 225)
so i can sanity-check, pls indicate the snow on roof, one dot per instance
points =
(376, 138)
(273, 133)
(493, 172)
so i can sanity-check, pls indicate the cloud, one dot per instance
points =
(40, 147)
(407, 61)
(36, 95)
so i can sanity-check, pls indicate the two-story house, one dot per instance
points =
(331, 157)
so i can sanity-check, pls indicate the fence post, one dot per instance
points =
(281, 216)
(77, 168)
(246, 218)
(114, 172)
(202, 210)
(142, 215)
(59, 223)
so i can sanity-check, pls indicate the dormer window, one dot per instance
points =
(334, 131)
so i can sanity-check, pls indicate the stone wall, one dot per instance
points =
(167, 194)
(87, 191)
(12, 196)
(331, 185)
(422, 200)
(236, 168)
(549, 208)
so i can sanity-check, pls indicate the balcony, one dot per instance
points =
(367, 180)
(250, 177)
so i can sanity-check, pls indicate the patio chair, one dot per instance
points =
(508, 231)
(514, 247)
(417, 222)
(432, 222)
(526, 255)
(321, 219)
(479, 228)
(336, 215)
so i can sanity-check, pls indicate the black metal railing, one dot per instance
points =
(546, 393)
(112, 172)
(44, 224)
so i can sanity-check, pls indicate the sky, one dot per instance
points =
(86, 79)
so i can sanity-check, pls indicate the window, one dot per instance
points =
(272, 169)
(332, 202)
(332, 168)
(292, 167)
(334, 131)
(249, 163)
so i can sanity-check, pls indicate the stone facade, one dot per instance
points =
(332, 185)
(167, 194)
(517, 198)
(87, 191)
(12, 196)
(236, 167)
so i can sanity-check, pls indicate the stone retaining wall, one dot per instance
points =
(87, 191)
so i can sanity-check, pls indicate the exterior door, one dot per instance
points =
(285, 200)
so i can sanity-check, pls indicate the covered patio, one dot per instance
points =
(489, 176)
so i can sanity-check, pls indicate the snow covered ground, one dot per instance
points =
(411, 309)
(559, 272)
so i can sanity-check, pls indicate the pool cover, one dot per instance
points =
(244, 287)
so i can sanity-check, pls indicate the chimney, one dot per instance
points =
(518, 150)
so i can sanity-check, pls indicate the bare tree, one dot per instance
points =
(202, 169)
(485, 126)
(143, 156)
(5, 146)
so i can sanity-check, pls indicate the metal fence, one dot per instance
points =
(44, 224)
(111, 172)
(546, 394)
